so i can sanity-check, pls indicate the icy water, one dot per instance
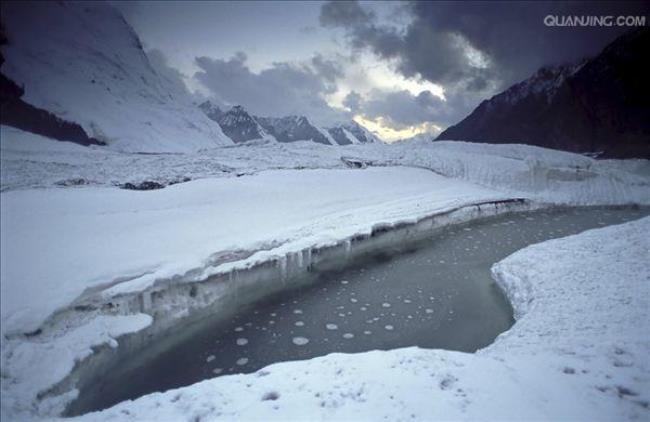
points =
(433, 294)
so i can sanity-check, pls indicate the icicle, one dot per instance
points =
(146, 301)
(308, 259)
(283, 267)
(348, 248)
(299, 259)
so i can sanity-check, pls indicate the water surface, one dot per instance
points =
(436, 293)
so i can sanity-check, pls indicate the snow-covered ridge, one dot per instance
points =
(242, 126)
(236, 123)
(546, 81)
(84, 63)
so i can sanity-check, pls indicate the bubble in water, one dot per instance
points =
(300, 341)
(367, 332)
(217, 371)
(210, 358)
(331, 326)
(299, 323)
(297, 311)
(386, 305)
(428, 311)
(389, 327)
(242, 361)
(344, 282)
(238, 329)
(348, 335)
(242, 342)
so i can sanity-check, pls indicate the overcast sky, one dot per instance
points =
(399, 68)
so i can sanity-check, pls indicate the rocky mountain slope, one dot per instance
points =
(83, 64)
(236, 123)
(242, 126)
(600, 106)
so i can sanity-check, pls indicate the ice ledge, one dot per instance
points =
(177, 303)
(578, 351)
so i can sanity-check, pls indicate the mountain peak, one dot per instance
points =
(597, 105)
(83, 62)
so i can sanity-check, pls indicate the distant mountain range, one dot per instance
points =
(600, 106)
(241, 126)
(76, 71)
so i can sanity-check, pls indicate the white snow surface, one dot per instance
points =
(578, 351)
(522, 170)
(59, 239)
(30, 367)
(91, 236)
(86, 65)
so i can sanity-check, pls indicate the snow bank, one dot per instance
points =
(533, 172)
(59, 242)
(35, 365)
(577, 351)
(85, 64)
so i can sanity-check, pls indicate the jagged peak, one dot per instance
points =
(238, 109)
(545, 80)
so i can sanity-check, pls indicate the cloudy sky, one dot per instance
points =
(399, 68)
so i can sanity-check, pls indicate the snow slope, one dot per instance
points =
(84, 63)
(578, 351)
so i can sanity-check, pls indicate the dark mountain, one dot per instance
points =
(236, 123)
(599, 106)
(240, 126)
(339, 135)
(293, 128)
(211, 110)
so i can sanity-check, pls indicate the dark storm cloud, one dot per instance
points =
(353, 101)
(510, 35)
(345, 13)
(362, 27)
(329, 70)
(280, 90)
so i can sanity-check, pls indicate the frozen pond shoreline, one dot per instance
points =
(446, 300)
